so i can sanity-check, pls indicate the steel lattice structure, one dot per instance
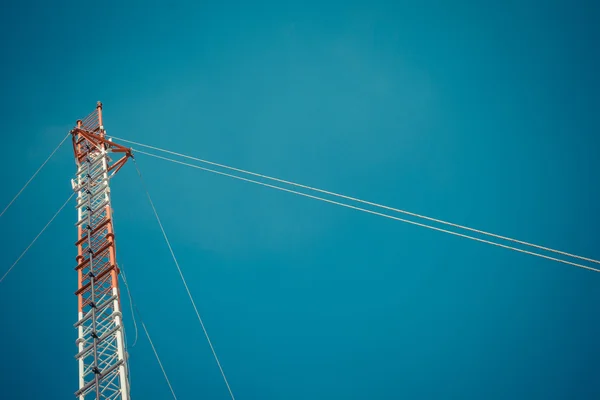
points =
(103, 371)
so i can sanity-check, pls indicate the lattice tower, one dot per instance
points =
(103, 372)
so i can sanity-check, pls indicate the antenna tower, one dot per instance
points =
(103, 372)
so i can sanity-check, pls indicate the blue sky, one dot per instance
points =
(481, 113)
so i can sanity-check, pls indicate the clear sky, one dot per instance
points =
(481, 113)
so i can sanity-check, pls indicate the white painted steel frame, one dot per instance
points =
(102, 366)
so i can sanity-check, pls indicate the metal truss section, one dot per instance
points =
(101, 348)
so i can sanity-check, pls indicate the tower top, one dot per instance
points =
(99, 105)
